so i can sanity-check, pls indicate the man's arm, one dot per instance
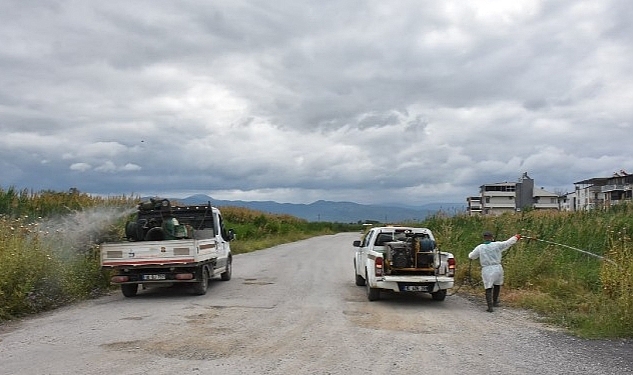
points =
(474, 254)
(505, 245)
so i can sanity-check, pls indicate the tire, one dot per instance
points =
(226, 275)
(129, 290)
(200, 288)
(440, 295)
(155, 234)
(373, 294)
(360, 281)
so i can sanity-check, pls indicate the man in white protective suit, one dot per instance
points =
(489, 254)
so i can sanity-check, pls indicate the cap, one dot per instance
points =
(487, 234)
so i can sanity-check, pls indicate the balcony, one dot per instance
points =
(609, 188)
(499, 194)
(546, 206)
(495, 205)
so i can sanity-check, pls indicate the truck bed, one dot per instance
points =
(136, 254)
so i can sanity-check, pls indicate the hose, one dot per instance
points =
(467, 279)
(573, 248)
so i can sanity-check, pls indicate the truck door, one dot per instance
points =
(361, 259)
(222, 239)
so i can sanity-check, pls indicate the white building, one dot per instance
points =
(498, 198)
(474, 205)
(567, 202)
(601, 192)
(544, 200)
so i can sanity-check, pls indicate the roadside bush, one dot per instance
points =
(47, 254)
(25, 267)
(617, 282)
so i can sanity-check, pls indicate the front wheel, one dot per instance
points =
(360, 281)
(373, 294)
(226, 275)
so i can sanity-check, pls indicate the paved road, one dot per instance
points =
(294, 309)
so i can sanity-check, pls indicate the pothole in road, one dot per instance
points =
(180, 348)
(354, 313)
(134, 318)
(376, 318)
(256, 282)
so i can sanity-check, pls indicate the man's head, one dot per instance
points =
(487, 236)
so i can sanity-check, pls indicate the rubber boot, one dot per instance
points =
(495, 295)
(489, 299)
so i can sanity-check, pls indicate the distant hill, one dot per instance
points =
(341, 212)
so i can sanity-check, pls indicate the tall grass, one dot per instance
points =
(591, 297)
(48, 256)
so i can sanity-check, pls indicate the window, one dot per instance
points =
(500, 188)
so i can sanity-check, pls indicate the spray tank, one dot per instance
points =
(412, 252)
(157, 220)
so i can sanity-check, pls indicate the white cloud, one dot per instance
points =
(81, 167)
(131, 167)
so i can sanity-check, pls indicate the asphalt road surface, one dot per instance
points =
(294, 309)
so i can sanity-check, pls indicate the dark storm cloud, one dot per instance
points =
(299, 101)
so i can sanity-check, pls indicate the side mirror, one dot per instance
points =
(232, 235)
(356, 243)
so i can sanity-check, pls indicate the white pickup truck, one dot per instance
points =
(402, 259)
(170, 244)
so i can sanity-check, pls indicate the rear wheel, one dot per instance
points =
(440, 295)
(200, 288)
(129, 290)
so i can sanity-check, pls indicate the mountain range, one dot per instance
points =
(340, 212)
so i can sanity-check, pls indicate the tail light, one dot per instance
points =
(451, 266)
(378, 266)
(184, 276)
(120, 279)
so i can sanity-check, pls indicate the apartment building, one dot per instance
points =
(498, 198)
(601, 192)
(474, 205)
(597, 192)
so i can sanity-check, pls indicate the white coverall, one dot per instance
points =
(489, 254)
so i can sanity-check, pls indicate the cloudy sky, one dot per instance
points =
(295, 101)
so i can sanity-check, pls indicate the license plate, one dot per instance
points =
(154, 277)
(415, 288)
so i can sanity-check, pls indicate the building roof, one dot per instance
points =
(539, 192)
(594, 181)
(500, 184)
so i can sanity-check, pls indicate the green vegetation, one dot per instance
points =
(591, 297)
(257, 230)
(48, 251)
